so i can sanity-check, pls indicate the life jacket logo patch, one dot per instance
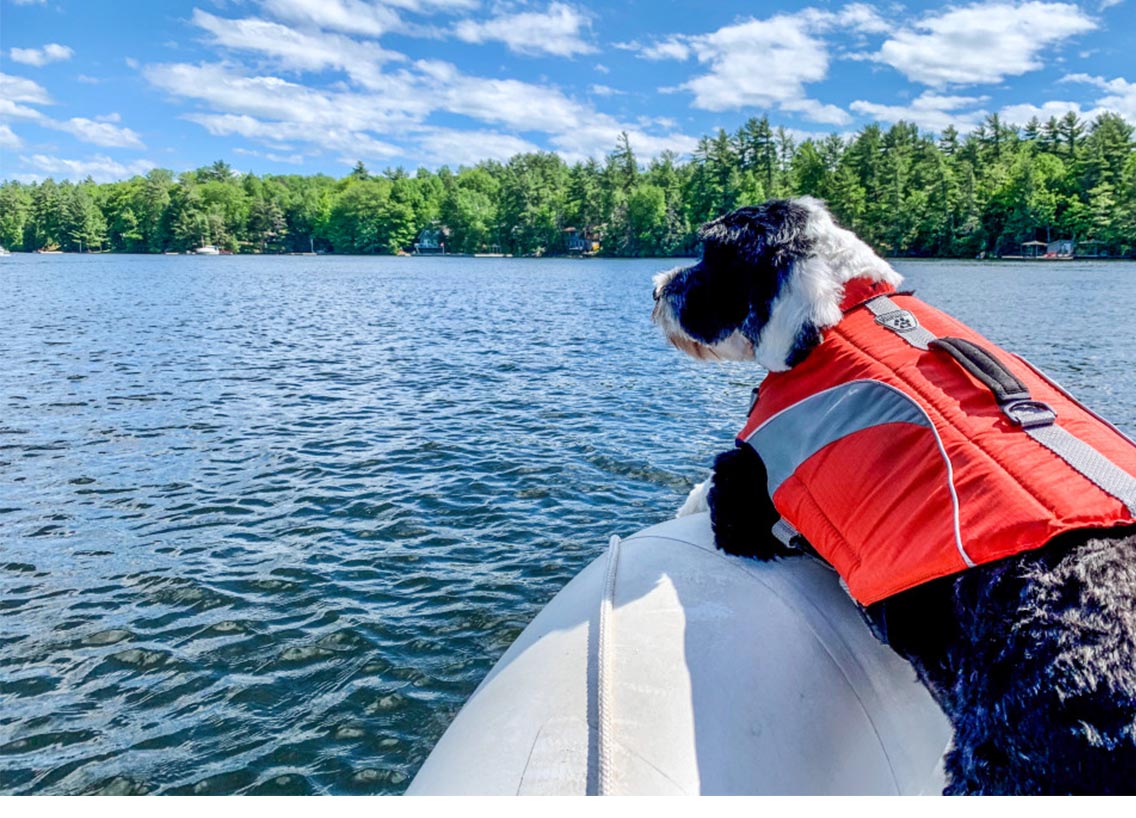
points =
(898, 321)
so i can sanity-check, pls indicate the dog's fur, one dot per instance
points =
(1033, 657)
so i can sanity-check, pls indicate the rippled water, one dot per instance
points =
(266, 522)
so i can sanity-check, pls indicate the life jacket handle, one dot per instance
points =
(1012, 395)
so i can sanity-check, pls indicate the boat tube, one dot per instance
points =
(667, 667)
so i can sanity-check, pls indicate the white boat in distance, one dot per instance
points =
(207, 250)
(4, 252)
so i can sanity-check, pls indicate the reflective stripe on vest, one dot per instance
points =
(796, 433)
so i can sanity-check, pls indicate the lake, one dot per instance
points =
(266, 522)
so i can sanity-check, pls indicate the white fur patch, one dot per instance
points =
(816, 285)
(698, 499)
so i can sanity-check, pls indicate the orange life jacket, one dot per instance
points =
(900, 465)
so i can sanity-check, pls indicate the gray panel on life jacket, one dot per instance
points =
(796, 433)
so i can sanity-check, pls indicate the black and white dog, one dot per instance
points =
(1032, 657)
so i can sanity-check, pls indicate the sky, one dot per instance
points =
(113, 88)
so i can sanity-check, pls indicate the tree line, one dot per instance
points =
(905, 192)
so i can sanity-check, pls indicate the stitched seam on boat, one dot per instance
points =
(605, 671)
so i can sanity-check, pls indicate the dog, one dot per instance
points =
(1031, 656)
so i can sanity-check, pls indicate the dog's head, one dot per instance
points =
(770, 280)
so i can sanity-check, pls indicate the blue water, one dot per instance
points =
(266, 522)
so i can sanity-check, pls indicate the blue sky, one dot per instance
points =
(111, 88)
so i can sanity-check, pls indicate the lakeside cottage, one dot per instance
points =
(1061, 248)
(431, 240)
(578, 241)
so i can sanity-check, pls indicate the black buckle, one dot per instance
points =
(1029, 413)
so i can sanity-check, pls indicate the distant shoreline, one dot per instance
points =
(1043, 262)
(1000, 190)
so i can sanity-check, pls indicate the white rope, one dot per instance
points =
(605, 673)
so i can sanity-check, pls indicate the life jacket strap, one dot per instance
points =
(1036, 418)
(900, 321)
(1093, 465)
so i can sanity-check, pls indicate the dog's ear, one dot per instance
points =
(758, 246)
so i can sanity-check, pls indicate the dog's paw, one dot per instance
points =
(741, 512)
(696, 501)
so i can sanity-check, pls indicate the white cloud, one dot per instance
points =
(932, 112)
(1023, 113)
(101, 131)
(447, 146)
(816, 111)
(350, 16)
(12, 110)
(289, 159)
(52, 52)
(430, 6)
(519, 105)
(596, 138)
(8, 139)
(982, 43)
(1107, 4)
(388, 115)
(1119, 97)
(763, 64)
(558, 31)
(669, 49)
(862, 18)
(294, 49)
(18, 89)
(605, 90)
(371, 19)
(273, 98)
(102, 134)
(99, 168)
(354, 145)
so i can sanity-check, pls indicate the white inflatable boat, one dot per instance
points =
(666, 667)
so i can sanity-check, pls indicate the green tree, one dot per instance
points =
(15, 208)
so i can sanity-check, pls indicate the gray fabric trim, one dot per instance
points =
(900, 321)
(1049, 380)
(1096, 468)
(796, 433)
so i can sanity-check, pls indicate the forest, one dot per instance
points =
(907, 193)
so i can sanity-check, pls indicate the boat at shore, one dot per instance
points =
(667, 667)
(207, 250)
